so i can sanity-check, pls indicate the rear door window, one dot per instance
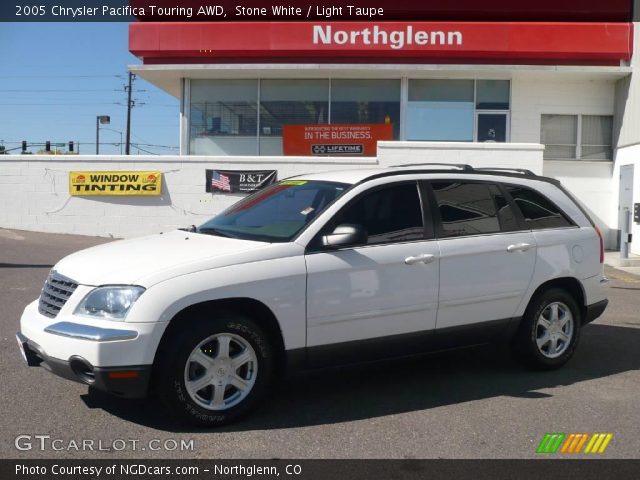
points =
(471, 208)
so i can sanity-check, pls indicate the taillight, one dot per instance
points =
(601, 244)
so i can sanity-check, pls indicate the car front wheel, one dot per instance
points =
(215, 371)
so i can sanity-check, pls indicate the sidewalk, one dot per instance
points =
(628, 266)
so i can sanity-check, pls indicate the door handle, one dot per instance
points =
(425, 258)
(519, 247)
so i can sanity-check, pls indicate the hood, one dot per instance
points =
(142, 261)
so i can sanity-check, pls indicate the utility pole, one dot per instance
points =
(130, 104)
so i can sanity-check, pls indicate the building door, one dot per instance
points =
(625, 204)
(492, 127)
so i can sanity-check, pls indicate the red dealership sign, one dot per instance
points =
(351, 140)
(386, 42)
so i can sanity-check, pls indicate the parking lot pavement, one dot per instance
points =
(471, 404)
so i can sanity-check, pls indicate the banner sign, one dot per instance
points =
(239, 181)
(119, 183)
(338, 140)
(387, 42)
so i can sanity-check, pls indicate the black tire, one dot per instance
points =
(525, 345)
(169, 374)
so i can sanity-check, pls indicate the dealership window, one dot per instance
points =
(440, 110)
(223, 117)
(366, 102)
(492, 94)
(597, 137)
(559, 134)
(577, 137)
(458, 110)
(492, 110)
(247, 117)
(290, 102)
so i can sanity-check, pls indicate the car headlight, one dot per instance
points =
(112, 303)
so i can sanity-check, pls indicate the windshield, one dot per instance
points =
(277, 213)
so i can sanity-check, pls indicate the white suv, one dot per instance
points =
(324, 269)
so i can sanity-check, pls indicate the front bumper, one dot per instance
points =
(102, 343)
(112, 356)
(123, 381)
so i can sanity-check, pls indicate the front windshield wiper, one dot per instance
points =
(213, 231)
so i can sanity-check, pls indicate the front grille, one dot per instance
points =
(55, 293)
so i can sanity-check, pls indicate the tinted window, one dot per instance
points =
(277, 213)
(468, 208)
(538, 211)
(391, 214)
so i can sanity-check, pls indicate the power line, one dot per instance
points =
(38, 75)
(142, 149)
(59, 90)
(68, 104)
(170, 147)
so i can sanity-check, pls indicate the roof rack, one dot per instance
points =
(461, 166)
(523, 171)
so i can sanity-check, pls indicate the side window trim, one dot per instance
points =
(432, 207)
(426, 204)
(522, 225)
(315, 245)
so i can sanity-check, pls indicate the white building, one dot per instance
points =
(568, 85)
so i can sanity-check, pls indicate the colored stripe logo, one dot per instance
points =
(574, 443)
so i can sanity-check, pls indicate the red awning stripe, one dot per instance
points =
(553, 43)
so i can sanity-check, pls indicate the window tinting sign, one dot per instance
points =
(120, 183)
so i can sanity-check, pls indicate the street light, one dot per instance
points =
(116, 131)
(100, 120)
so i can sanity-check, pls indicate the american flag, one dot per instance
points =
(220, 182)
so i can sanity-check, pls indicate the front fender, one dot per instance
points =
(278, 283)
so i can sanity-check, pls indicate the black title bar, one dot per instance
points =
(144, 469)
(298, 10)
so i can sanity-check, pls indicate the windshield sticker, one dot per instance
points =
(307, 211)
(293, 182)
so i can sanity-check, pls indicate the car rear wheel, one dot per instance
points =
(550, 330)
(215, 371)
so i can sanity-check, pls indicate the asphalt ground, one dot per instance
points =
(467, 404)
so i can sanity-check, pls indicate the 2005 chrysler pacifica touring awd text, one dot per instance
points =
(321, 269)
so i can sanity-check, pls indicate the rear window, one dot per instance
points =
(537, 210)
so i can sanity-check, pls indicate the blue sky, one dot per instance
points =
(55, 78)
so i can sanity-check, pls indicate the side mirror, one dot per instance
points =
(345, 235)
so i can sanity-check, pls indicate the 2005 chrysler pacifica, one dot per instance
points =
(322, 269)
